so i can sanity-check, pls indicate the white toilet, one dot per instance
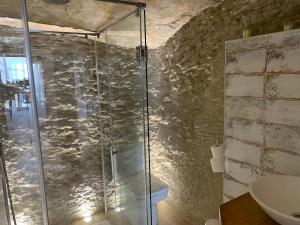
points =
(135, 182)
(159, 192)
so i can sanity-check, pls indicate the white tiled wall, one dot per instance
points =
(262, 109)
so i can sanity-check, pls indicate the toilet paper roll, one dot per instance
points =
(217, 165)
(217, 151)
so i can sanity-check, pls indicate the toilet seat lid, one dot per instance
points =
(158, 187)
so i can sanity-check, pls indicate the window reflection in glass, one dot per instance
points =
(14, 81)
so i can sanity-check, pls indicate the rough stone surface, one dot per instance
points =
(69, 136)
(71, 128)
(186, 81)
(186, 101)
(268, 143)
(93, 15)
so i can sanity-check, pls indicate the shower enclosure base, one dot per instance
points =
(97, 219)
(101, 219)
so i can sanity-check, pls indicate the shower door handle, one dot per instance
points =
(114, 165)
(113, 154)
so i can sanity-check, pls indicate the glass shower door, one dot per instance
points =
(128, 147)
(20, 185)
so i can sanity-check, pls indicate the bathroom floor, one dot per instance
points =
(167, 215)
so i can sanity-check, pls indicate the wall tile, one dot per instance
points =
(226, 199)
(233, 188)
(247, 130)
(283, 86)
(262, 130)
(241, 172)
(282, 162)
(283, 112)
(238, 85)
(284, 59)
(247, 108)
(247, 44)
(246, 62)
(286, 38)
(243, 152)
(283, 137)
(228, 131)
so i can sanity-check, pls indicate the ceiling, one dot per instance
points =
(164, 17)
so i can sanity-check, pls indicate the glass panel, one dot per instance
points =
(69, 126)
(105, 106)
(20, 186)
(144, 72)
(93, 164)
(128, 204)
(3, 206)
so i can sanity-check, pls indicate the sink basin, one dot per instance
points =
(279, 196)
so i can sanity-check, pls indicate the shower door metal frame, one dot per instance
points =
(37, 136)
(9, 207)
(132, 3)
(146, 122)
(143, 61)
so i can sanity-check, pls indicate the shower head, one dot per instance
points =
(61, 2)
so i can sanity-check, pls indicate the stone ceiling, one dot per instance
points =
(164, 17)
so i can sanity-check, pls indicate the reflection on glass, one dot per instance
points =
(91, 122)
(15, 86)
(17, 134)
(127, 134)
(69, 126)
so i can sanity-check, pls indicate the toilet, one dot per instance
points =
(135, 182)
(159, 192)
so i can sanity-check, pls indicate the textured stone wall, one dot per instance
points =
(70, 131)
(262, 109)
(70, 135)
(70, 126)
(186, 80)
(18, 141)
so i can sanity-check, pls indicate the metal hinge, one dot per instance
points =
(142, 53)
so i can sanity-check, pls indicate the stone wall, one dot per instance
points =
(72, 130)
(262, 109)
(186, 80)
(66, 93)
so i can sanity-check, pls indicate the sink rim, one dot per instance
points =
(264, 205)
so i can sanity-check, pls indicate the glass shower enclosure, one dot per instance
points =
(74, 122)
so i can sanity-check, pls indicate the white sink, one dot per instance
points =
(279, 196)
